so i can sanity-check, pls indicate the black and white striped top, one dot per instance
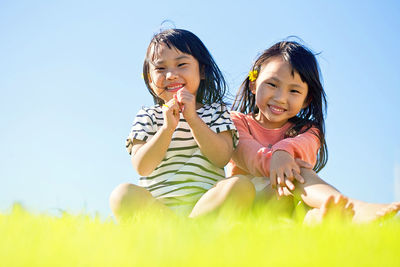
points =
(184, 174)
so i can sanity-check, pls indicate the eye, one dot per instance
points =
(295, 91)
(182, 64)
(159, 68)
(271, 84)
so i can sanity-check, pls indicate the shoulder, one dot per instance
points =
(238, 117)
(213, 112)
(152, 113)
(152, 110)
(213, 108)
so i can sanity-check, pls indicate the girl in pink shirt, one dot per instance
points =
(281, 129)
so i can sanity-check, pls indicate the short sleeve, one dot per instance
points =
(143, 128)
(221, 121)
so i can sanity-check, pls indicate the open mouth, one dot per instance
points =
(174, 87)
(276, 110)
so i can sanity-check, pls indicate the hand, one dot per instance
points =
(303, 164)
(284, 170)
(187, 103)
(171, 114)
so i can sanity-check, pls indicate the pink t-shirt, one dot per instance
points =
(256, 145)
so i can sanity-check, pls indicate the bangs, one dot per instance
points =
(180, 46)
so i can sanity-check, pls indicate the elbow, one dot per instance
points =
(143, 172)
(222, 161)
(141, 169)
(221, 164)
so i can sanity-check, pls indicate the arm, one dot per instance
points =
(146, 156)
(283, 167)
(303, 146)
(252, 156)
(217, 147)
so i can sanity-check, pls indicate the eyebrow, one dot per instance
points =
(291, 85)
(176, 59)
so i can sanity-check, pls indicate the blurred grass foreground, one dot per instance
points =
(259, 239)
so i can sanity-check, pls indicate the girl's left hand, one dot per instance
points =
(187, 103)
(283, 171)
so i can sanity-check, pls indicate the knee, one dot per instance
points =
(307, 172)
(125, 195)
(310, 177)
(119, 196)
(242, 187)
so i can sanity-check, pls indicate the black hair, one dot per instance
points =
(303, 62)
(212, 88)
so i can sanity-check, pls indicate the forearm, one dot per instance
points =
(149, 155)
(304, 146)
(252, 157)
(217, 148)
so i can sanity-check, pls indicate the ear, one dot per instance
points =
(306, 103)
(202, 73)
(150, 82)
(149, 78)
(252, 86)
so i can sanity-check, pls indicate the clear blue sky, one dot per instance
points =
(70, 83)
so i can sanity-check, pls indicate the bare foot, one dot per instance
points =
(368, 212)
(332, 209)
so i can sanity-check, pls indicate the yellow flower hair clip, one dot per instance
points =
(253, 75)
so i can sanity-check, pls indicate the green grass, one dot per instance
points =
(260, 239)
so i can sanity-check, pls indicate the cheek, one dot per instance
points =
(306, 102)
(260, 100)
(261, 95)
(156, 77)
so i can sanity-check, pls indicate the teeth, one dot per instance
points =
(174, 87)
(277, 109)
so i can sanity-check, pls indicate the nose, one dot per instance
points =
(280, 95)
(170, 75)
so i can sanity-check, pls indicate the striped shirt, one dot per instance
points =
(184, 174)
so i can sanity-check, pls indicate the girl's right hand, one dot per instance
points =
(171, 114)
(283, 171)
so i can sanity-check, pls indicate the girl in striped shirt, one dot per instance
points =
(180, 145)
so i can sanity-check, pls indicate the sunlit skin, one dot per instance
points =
(173, 72)
(175, 77)
(280, 93)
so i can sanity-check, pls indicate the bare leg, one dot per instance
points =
(268, 198)
(237, 192)
(315, 192)
(128, 199)
(333, 208)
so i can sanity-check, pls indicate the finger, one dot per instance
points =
(303, 164)
(280, 178)
(289, 184)
(177, 97)
(272, 179)
(289, 174)
(296, 168)
(280, 191)
(165, 107)
(172, 106)
(177, 101)
(176, 111)
(298, 177)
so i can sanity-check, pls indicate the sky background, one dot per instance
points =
(70, 86)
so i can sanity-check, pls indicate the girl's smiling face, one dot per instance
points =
(171, 70)
(280, 93)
